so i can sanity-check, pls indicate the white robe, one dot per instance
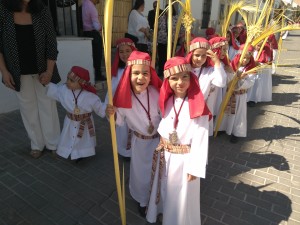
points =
(180, 199)
(69, 144)
(142, 150)
(232, 52)
(261, 91)
(121, 131)
(236, 124)
(209, 79)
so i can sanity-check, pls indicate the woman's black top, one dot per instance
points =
(26, 49)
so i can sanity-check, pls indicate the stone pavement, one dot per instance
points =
(256, 181)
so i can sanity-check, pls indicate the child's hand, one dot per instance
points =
(213, 57)
(110, 110)
(190, 177)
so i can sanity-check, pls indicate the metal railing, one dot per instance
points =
(65, 16)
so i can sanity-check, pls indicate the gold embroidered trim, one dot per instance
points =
(199, 45)
(219, 44)
(141, 136)
(139, 62)
(126, 43)
(177, 69)
(175, 149)
(74, 77)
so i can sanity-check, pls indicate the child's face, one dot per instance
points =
(246, 59)
(179, 83)
(228, 36)
(140, 78)
(224, 50)
(257, 47)
(124, 52)
(72, 84)
(199, 57)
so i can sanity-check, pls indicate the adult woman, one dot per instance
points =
(138, 25)
(162, 37)
(28, 51)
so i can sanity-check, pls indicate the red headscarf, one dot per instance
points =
(83, 77)
(122, 97)
(236, 59)
(273, 42)
(181, 50)
(243, 33)
(266, 54)
(210, 33)
(119, 42)
(216, 46)
(196, 43)
(196, 100)
(233, 43)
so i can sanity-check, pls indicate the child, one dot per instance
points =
(180, 159)
(124, 47)
(136, 102)
(219, 45)
(233, 45)
(274, 48)
(261, 91)
(235, 118)
(79, 99)
(210, 33)
(209, 76)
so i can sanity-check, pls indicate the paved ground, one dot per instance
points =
(256, 181)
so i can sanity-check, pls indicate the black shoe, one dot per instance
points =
(126, 159)
(234, 139)
(251, 104)
(221, 133)
(142, 210)
(78, 160)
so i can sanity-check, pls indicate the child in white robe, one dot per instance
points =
(261, 91)
(235, 117)
(79, 99)
(124, 47)
(180, 159)
(233, 44)
(136, 102)
(274, 48)
(219, 45)
(210, 74)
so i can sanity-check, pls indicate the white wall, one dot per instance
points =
(72, 51)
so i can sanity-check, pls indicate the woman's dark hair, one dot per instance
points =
(174, 13)
(34, 6)
(138, 4)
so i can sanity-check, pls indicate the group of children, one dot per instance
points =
(163, 126)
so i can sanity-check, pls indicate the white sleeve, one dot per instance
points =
(54, 91)
(247, 82)
(98, 106)
(120, 117)
(197, 158)
(219, 77)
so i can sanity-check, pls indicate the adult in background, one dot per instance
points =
(138, 25)
(162, 37)
(151, 15)
(28, 51)
(92, 28)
